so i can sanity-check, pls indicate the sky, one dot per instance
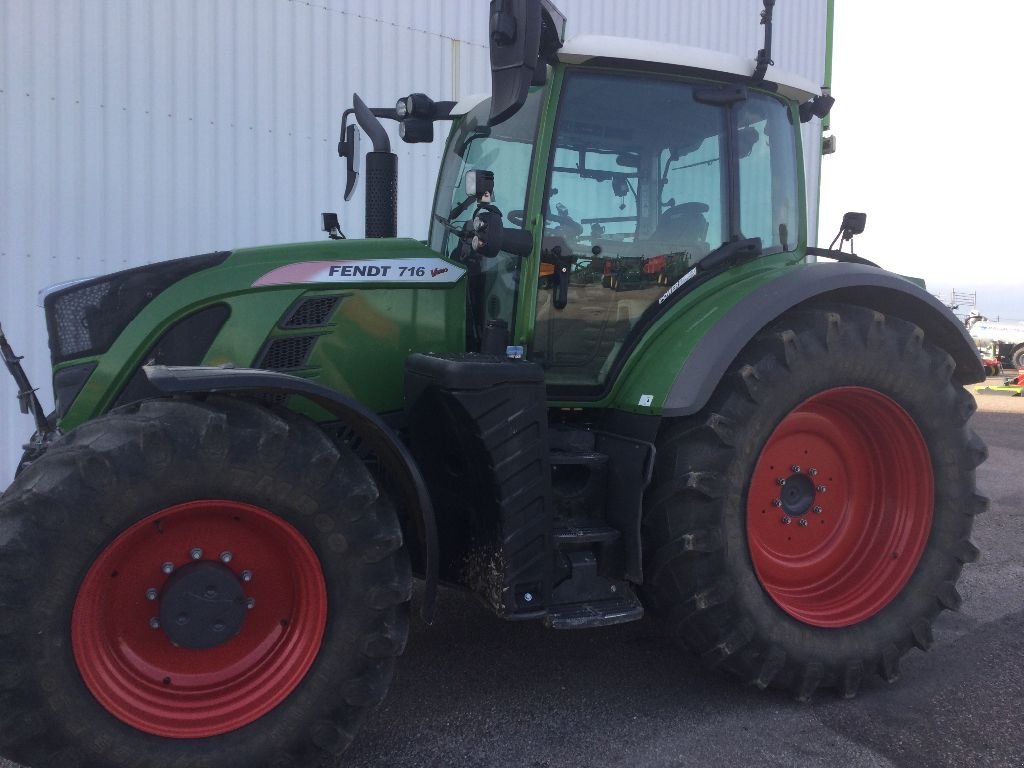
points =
(927, 145)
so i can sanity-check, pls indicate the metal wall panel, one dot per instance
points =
(133, 132)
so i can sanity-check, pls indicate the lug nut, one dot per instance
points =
(817, 510)
(154, 623)
(247, 575)
(821, 489)
(250, 603)
(167, 567)
(226, 556)
(812, 472)
(803, 522)
(780, 481)
(786, 520)
(795, 468)
(151, 594)
(195, 553)
(527, 597)
(776, 502)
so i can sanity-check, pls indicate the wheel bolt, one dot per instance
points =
(154, 623)
(195, 553)
(780, 481)
(803, 522)
(246, 575)
(167, 567)
(821, 489)
(817, 510)
(151, 593)
(226, 556)
(776, 502)
(786, 520)
(812, 472)
(795, 468)
(250, 603)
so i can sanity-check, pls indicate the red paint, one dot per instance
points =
(142, 679)
(853, 558)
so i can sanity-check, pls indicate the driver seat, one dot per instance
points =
(683, 223)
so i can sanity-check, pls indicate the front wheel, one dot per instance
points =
(196, 584)
(809, 525)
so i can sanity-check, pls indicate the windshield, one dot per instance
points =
(507, 151)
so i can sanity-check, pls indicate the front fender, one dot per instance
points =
(368, 426)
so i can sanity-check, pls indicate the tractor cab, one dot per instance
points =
(624, 178)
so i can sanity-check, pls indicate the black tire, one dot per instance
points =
(67, 512)
(1017, 358)
(702, 524)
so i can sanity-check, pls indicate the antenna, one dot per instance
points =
(764, 56)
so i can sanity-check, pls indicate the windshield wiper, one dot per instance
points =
(731, 254)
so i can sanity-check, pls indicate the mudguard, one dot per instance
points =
(367, 425)
(738, 322)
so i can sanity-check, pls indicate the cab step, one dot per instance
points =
(582, 533)
(600, 613)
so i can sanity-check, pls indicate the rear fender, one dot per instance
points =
(727, 327)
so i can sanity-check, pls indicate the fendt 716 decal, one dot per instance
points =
(421, 271)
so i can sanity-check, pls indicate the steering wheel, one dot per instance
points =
(517, 217)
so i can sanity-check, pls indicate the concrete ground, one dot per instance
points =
(474, 692)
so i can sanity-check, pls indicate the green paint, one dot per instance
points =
(830, 17)
(378, 322)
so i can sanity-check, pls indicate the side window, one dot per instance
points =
(768, 188)
(636, 197)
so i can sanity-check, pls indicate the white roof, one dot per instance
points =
(583, 47)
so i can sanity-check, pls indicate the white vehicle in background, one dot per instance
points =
(1005, 338)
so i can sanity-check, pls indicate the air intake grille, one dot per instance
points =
(286, 354)
(74, 313)
(311, 313)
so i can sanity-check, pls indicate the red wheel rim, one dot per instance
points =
(142, 678)
(838, 539)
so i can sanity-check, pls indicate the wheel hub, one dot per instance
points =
(797, 495)
(202, 605)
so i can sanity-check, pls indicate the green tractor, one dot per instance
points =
(206, 556)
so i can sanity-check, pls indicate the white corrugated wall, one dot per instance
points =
(133, 132)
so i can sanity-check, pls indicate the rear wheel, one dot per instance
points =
(196, 584)
(810, 524)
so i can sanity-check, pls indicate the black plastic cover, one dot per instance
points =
(184, 343)
(85, 319)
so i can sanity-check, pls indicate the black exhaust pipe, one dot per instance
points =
(381, 175)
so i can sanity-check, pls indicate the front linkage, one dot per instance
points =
(45, 431)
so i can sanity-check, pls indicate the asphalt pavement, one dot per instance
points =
(473, 691)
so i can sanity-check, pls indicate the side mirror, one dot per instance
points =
(853, 224)
(349, 149)
(524, 36)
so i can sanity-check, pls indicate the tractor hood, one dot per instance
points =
(345, 313)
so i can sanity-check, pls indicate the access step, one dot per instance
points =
(584, 532)
(603, 613)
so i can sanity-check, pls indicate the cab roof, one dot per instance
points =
(583, 48)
